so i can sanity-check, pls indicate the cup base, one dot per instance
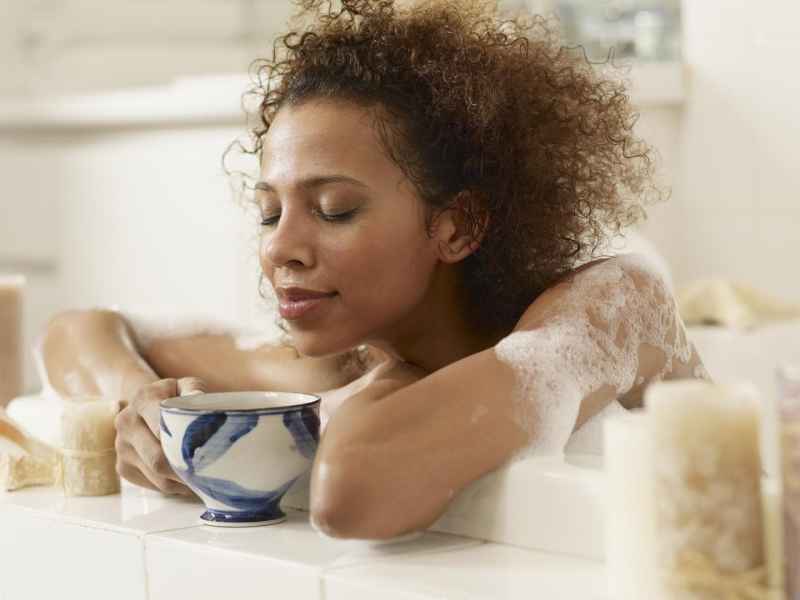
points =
(219, 518)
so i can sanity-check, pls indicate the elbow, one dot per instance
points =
(69, 322)
(350, 506)
(336, 509)
(357, 521)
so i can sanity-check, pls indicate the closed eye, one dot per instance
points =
(331, 218)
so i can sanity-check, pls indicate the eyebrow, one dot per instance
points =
(315, 182)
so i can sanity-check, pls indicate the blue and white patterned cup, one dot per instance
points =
(240, 452)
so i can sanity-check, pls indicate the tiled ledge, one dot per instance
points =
(140, 545)
(548, 504)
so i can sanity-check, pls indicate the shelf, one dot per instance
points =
(212, 100)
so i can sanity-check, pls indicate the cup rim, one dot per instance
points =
(167, 405)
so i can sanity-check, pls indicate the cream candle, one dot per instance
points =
(789, 427)
(11, 301)
(709, 515)
(630, 508)
(773, 534)
(88, 454)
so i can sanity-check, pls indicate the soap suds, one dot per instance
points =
(590, 344)
(700, 372)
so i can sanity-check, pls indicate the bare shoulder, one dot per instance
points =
(608, 280)
(619, 315)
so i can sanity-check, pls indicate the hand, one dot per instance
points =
(140, 458)
(383, 379)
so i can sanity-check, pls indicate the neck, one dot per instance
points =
(438, 332)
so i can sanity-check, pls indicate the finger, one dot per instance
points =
(191, 385)
(134, 438)
(151, 455)
(136, 470)
(147, 402)
(130, 473)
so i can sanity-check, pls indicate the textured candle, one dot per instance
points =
(88, 455)
(11, 290)
(789, 425)
(707, 485)
(630, 508)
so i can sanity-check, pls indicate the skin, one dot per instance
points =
(416, 421)
(397, 288)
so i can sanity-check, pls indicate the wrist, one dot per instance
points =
(134, 376)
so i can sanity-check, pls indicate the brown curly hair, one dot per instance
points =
(488, 114)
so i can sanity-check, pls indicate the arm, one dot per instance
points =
(95, 352)
(392, 459)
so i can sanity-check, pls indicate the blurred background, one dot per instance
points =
(114, 116)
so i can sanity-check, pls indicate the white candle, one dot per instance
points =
(773, 533)
(88, 454)
(11, 291)
(709, 512)
(630, 508)
(789, 441)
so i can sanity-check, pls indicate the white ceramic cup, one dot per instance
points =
(240, 452)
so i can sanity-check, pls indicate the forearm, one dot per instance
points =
(358, 421)
(92, 352)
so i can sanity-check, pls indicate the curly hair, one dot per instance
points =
(487, 114)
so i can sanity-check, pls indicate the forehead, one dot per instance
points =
(323, 136)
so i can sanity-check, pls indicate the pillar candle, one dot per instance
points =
(630, 508)
(11, 294)
(789, 436)
(88, 455)
(685, 515)
(709, 515)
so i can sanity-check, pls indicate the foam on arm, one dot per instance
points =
(612, 327)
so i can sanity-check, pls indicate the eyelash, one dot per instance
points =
(340, 218)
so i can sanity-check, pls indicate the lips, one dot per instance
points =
(298, 302)
(295, 294)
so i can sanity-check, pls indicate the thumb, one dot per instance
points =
(191, 385)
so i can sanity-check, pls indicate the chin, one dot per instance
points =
(318, 346)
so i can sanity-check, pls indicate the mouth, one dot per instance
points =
(293, 306)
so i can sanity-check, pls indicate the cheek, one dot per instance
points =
(383, 271)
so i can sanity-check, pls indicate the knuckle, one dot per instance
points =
(173, 487)
(157, 462)
(163, 484)
(126, 470)
(161, 465)
(157, 389)
(121, 419)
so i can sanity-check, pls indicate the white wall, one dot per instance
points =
(140, 217)
(735, 207)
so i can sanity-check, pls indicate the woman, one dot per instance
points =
(435, 188)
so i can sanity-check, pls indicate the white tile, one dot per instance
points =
(45, 558)
(288, 557)
(179, 569)
(135, 510)
(488, 571)
(540, 503)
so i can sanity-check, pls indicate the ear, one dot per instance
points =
(459, 229)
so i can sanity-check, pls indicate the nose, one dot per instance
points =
(288, 244)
